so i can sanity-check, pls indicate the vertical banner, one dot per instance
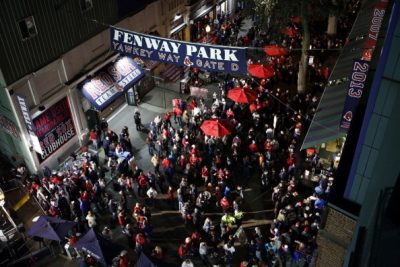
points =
(373, 30)
(54, 128)
(28, 123)
(354, 93)
(213, 58)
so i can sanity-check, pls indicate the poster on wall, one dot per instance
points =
(54, 128)
(111, 81)
(9, 127)
(213, 58)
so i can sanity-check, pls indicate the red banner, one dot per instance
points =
(374, 27)
(54, 128)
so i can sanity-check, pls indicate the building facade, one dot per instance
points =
(51, 47)
(362, 222)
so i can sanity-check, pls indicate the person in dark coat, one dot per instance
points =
(138, 121)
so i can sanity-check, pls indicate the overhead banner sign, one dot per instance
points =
(111, 81)
(214, 58)
(54, 128)
(28, 123)
(354, 93)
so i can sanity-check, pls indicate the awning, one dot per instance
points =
(111, 81)
(201, 12)
(325, 124)
(177, 28)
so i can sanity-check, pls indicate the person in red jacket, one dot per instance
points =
(123, 259)
(121, 218)
(167, 119)
(205, 174)
(140, 240)
(253, 147)
(170, 194)
(142, 181)
(225, 205)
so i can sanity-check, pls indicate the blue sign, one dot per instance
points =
(111, 81)
(354, 93)
(213, 58)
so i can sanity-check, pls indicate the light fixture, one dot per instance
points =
(208, 28)
(177, 16)
(2, 197)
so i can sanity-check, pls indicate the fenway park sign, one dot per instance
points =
(208, 57)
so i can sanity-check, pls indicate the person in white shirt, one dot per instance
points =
(187, 263)
(203, 249)
(152, 194)
(228, 247)
(91, 219)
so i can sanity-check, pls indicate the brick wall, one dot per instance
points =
(334, 239)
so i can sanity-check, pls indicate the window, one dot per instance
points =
(27, 27)
(86, 5)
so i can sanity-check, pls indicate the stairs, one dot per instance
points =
(173, 73)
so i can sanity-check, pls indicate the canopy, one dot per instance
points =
(261, 70)
(51, 228)
(216, 127)
(148, 261)
(275, 50)
(242, 95)
(111, 81)
(101, 249)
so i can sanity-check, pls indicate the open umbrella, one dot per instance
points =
(290, 31)
(51, 228)
(242, 95)
(261, 70)
(101, 249)
(216, 127)
(275, 50)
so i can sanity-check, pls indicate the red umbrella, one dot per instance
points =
(216, 127)
(256, 106)
(242, 95)
(261, 70)
(275, 50)
(296, 19)
(291, 32)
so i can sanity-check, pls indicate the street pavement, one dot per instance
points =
(169, 230)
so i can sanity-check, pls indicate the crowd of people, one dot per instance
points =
(200, 174)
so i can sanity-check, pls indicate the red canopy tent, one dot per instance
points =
(216, 127)
(242, 95)
(275, 50)
(261, 70)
